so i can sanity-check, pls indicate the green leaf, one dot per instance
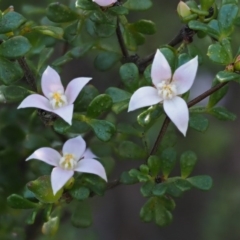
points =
(149, 116)
(154, 210)
(198, 122)
(201, 182)
(94, 183)
(138, 5)
(19, 202)
(218, 95)
(120, 99)
(174, 190)
(160, 189)
(154, 165)
(182, 184)
(106, 60)
(199, 26)
(82, 217)
(188, 161)
(146, 189)
(225, 76)
(11, 21)
(226, 17)
(86, 5)
(146, 27)
(15, 47)
(50, 227)
(31, 218)
(79, 193)
(103, 129)
(52, 31)
(98, 105)
(59, 13)
(10, 71)
(168, 161)
(119, 10)
(222, 113)
(206, 4)
(219, 54)
(129, 76)
(131, 150)
(77, 126)
(127, 129)
(87, 94)
(42, 190)
(127, 179)
(14, 93)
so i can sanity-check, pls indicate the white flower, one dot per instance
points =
(56, 100)
(73, 158)
(166, 89)
(104, 3)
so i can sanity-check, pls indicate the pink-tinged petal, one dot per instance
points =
(104, 3)
(177, 111)
(184, 76)
(144, 97)
(89, 154)
(36, 101)
(59, 177)
(65, 113)
(161, 70)
(47, 155)
(74, 87)
(51, 82)
(91, 166)
(75, 146)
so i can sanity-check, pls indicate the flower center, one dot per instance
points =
(166, 90)
(68, 161)
(57, 99)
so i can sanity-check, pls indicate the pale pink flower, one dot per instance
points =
(166, 90)
(104, 3)
(56, 100)
(73, 158)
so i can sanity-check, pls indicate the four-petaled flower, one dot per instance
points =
(104, 3)
(73, 158)
(56, 100)
(166, 89)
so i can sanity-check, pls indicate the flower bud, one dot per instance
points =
(183, 10)
(237, 64)
(230, 68)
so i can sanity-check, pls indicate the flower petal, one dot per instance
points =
(47, 155)
(36, 101)
(104, 3)
(89, 154)
(184, 76)
(74, 87)
(143, 97)
(66, 113)
(161, 70)
(59, 177)
(91, 166)
(51, 82)
(75, 146)
(177, 111)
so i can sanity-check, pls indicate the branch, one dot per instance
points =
(27, 73)
(190, 104)
(121, 41)
(185, 34)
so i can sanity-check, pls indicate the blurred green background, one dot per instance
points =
(213, 215)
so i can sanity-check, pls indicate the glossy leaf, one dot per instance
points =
(138, 5)
(222, 113)
(19, 202)
(188, 161)
(168, 161)
(52, 31)
(127, 179)
(42, 190)
(79, 193)
(225, 76)
(198, 122)
(154, 165)
(86, 5)
(201, 182)
(146, 27)
(15, 47)
(98, 105)
(131, 150)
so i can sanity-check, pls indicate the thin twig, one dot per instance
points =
(27, 73)
(121, 41)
